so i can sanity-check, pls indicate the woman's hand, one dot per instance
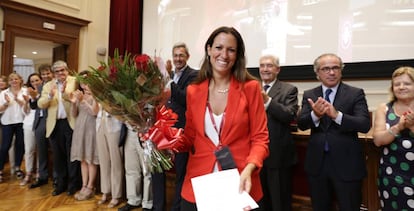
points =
(76, 96)
(246, 178)
(33, 93)
(408, 118)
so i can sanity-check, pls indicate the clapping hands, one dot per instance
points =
(76, 96)
(408, 119)
(322, 107)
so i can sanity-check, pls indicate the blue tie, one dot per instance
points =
(327, 93)
(266, 87)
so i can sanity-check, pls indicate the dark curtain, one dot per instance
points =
(125, 30)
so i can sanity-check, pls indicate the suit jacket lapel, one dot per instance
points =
(339, 91)
(200, 104)
(183, 76)
(275, 90)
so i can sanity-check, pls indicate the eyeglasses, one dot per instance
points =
(328, 69)
(59, 71)
(267, 65)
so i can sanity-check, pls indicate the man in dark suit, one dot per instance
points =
(39, 126)
(281, 104)
(335, 112)
(183, 76)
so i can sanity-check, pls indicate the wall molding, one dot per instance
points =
(76, 7)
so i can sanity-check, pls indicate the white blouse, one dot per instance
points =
(14, 112)
(211, 132)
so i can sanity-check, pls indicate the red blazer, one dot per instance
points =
(244, 132)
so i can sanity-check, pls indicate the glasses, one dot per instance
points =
(59, 71)
(328, 69)
(267, 65)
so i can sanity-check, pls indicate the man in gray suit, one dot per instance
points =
(335, 112)
(281, 103)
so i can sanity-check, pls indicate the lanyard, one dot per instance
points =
(214, 122)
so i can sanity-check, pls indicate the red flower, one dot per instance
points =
(101, 68)
(113, 71)
(142, 61)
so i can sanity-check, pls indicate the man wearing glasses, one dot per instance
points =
(59, 127)
(335, 112)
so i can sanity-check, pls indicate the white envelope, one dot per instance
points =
(219, 191)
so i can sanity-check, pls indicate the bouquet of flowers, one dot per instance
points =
(131, 88)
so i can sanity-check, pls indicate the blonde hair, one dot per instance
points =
(16, 75)
(409, 71)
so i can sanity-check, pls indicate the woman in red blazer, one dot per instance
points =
(224, 110)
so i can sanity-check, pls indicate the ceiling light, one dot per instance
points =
(34, 52)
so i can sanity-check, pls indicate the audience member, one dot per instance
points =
(39, 127)
(59, 127)
(84, 149)
(183, 76)
(393, 132)
(281, 104)
(33, 81)
(224, 111)
(138, 179)
(110, 151)
(4, 85)
(11, 105)
(335, 112)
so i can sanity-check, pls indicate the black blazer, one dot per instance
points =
(344, 147)
(33, 105)
(177, 101)
(280, 113)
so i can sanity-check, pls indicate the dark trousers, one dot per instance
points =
(180, 163)
(7, 135)
(42, 149)
(159, 192)
(67, 172)
(328, 183)
(277, 188)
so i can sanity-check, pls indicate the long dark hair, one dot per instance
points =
(28, 84)
(238, 70)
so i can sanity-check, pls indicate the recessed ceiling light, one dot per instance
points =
(34, 52)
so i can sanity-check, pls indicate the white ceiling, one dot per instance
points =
(23, 48)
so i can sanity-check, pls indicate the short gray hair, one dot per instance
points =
(316, 64)
(275, 59)
(59, 64)
(181, 45)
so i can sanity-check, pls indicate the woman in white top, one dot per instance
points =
(11, 105)
(34, 80)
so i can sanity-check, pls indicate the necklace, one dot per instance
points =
(223, 91)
